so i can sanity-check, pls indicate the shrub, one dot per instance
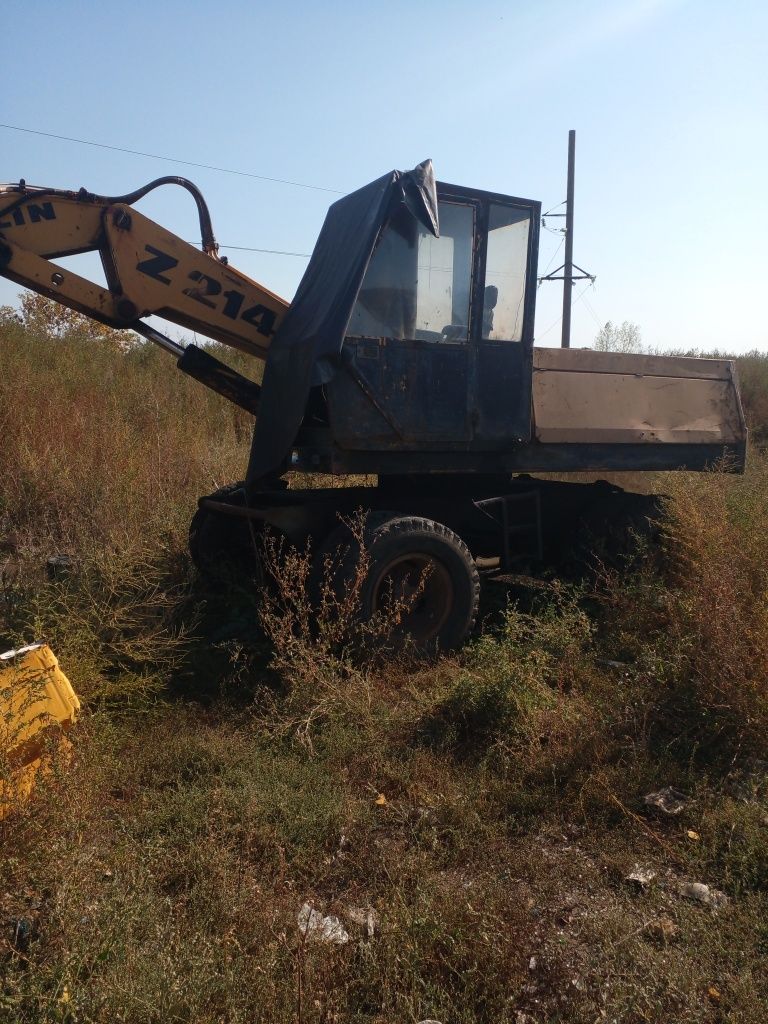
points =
(697, 623)
(105, 446)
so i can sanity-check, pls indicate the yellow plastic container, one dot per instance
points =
(34, 694)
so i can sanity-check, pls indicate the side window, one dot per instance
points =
(506, 260)
(386, 303)
(445, 276)
(418, 286)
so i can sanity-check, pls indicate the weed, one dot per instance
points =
(488, 806)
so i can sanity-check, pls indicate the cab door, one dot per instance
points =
(407, 355)
(503, 328)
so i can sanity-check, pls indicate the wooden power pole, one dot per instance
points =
(568, 267)
(565, 340)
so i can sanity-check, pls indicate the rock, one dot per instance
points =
(668, 800)
(702, 893)
(318, 928)
(641, 877)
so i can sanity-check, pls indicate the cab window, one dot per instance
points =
(418, 286)
(505, 270)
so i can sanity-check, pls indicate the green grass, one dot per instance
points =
(487, 806)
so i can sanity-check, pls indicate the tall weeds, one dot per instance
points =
(105, 447)
(487, 806)
(717, 551)
(693, 620)
(336, 660)
(106, 450)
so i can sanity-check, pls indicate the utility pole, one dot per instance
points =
(567, 276)
(565, 340)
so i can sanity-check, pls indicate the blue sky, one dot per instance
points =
(669, 99)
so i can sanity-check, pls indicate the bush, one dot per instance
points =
(695, 623)
(106, 450)
(105, 446)
(516, 684)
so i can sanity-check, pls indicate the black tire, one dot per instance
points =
(407, 557)
(618, 527)
(220, 545)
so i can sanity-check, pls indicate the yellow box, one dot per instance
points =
(34, 694)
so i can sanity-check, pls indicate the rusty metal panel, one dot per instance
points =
(587, 360)
(620, 408)
(503, 393)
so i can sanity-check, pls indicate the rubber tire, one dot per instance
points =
(221, 546)
(612, 531)
(389, 537)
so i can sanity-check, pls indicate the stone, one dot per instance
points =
(702, 893)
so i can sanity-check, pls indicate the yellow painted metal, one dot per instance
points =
(148, 269)
(34, 695)
(53, 225)
(32, 271)
(161, 273)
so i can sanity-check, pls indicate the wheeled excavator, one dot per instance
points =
(407, 355)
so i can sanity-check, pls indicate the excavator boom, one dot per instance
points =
(148, 269)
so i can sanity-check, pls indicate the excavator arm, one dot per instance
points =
(148, 271)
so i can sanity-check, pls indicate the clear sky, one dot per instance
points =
(669, 99)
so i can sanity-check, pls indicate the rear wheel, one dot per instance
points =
(416, 570)
(617, 528)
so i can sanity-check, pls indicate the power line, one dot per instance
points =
(274, 252)
(554, 256)
(568, 267)
(170, 159)
(551, 213)
(584, 290)
(591, 309)
(559, 319)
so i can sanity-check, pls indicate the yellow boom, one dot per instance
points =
(148, 269)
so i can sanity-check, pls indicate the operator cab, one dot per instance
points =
(438, 350)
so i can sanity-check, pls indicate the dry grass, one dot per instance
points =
(181, 847)
(106, 448)
(487, 806)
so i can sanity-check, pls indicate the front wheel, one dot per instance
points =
(416, 570)
(221, 546)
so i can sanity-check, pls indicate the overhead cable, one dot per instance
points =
(170, 159)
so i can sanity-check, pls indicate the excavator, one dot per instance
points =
(407, 356)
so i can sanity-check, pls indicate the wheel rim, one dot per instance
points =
(419, 591)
